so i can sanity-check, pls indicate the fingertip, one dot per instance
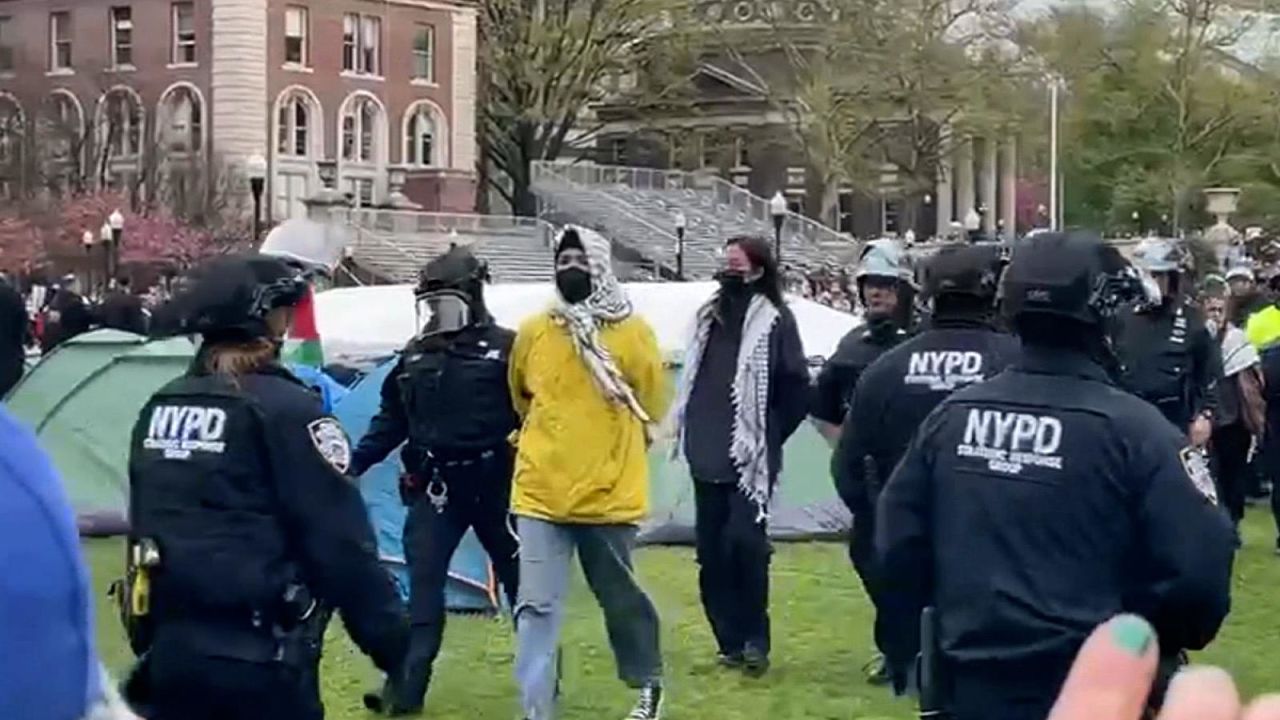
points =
(1201, 692)
(1266, 707)
(1131, 634)
(1112, 674)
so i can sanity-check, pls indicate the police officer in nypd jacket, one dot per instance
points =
(447, 407)
(245, 527)
(1032, 507)
(960, 347)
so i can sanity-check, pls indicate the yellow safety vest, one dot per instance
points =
(1263, 327)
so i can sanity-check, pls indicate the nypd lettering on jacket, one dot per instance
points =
(944, 370)
(1011, 441)
(180, 430)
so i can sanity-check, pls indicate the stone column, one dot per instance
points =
(1009, 185)
(990, 165)
(942, 200)
(965, 200)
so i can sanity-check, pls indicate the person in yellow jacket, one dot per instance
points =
(588, 381)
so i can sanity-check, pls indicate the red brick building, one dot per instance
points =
(103, 92)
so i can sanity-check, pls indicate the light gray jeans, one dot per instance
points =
(546, 551)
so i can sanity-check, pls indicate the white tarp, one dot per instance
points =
(358, 325)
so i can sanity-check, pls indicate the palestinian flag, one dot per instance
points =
(302, 347)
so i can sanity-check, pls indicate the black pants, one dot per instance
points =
(733, 567)
(896, 629)
(477, 496)
(189, 678)
(1231, 460)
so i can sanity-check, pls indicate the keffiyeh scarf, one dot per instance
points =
(607, 304)
(750, 394)
(1237, 352)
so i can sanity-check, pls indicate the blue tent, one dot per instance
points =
(472, 586)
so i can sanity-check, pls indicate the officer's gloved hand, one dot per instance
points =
(1112, 677)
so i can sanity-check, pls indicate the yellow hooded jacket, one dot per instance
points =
(581, 458)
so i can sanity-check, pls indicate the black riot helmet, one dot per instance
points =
(229, 298)
(1070, 276)
(450, 292)
(969, 270)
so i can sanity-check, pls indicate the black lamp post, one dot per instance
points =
(778, 209)
(87, 240)
(680, 226)
(104, 237)
(115, 221)
(256, 168)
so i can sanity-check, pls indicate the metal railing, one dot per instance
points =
(408, 222)
(664, 240)
(750, 207)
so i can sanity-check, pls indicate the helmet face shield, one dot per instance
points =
(441, 312)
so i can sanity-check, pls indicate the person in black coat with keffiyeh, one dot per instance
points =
(743, 392)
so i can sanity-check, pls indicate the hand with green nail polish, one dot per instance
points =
(1112, 677)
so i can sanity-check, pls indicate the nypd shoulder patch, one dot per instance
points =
(1196, 464)
(331, 442)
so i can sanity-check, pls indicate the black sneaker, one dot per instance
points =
(877, 671)
(649, 706)
(755, 663)
(730, 660)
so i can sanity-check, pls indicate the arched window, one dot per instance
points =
(120, 120)
(12, 121)
(293, 126)
(61, 126)
(425, 140)
(360, 124)
(181, 120)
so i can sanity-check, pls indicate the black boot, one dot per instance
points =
(400, 697)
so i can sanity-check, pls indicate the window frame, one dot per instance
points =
(131, 128)
(429, 31)
(304, 37)
(413, 138)
(114, 28)
(8, 53)
(289, 109)
(60, 34)
(360, 130)
(361, 56)
(180, 46)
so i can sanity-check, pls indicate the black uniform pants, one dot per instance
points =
(190, 678)
(733, 566)
(1231, 458)
(477, 495)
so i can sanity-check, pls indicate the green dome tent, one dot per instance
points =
(82, 401)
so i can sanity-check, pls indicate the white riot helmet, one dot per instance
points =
(884, 258)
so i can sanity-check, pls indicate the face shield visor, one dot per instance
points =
(443, 311)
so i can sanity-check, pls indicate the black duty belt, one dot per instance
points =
(458, 459)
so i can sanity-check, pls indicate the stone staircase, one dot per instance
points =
(638, 207)
(395, 245)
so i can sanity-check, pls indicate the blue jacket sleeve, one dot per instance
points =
(387, 431)
(1187, 547)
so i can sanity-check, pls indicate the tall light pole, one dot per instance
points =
(1053, 153)
(116, 222)
(104, 235)
(87, 240)
(778, 209)
(680, 222)
(256, 168)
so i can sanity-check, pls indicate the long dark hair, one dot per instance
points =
(760, 252)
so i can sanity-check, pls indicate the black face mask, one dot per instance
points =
(734, 283)
(574, 284)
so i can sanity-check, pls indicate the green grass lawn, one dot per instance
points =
(822, 637)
